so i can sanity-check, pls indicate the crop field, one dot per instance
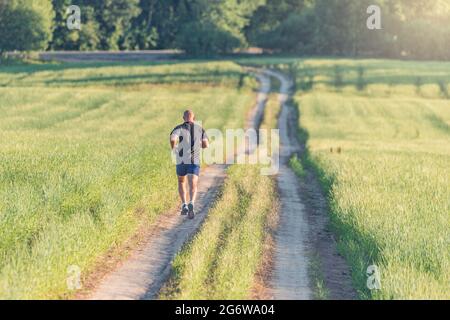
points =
(383, 154)
(85, 163)
(121, 74)
(85, 158)
(370, 77)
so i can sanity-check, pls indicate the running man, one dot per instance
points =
(187, 140)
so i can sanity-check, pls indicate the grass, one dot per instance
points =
(388, 187)
(320, 290)
(122, 74)
(271, 112)
(296, 165)
(85, 159)
(366, 77)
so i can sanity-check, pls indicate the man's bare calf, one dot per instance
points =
(193, 182)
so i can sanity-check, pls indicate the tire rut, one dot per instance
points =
(303, 233)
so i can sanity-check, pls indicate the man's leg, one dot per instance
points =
(182, 188)
(193, 181)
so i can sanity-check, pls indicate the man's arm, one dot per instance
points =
(174, 136)
(173, 143)
(205, 140)
(205, 143)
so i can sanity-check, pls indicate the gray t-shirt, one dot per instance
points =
(190, 136)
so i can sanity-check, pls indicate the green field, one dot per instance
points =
(389, 185)
(85, 162)
(121, 74)
(85, 158)
(371, 77)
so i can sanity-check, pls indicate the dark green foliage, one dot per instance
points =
(413, 29)
(268, 18)
(25, 25)
(88, 38)
(205, 39)
(105, 24)
(292, 35)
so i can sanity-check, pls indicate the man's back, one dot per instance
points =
(190, 136)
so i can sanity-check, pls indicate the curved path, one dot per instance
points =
(303, 233)
(290, 280)
(143, 274)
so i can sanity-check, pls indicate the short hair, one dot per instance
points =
(188, 113)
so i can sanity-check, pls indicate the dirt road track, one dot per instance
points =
(290, 280)
(142, 276)
(303, 233)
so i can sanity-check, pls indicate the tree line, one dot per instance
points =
(418, 29)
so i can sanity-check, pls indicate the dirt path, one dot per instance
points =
(109, 56)
(303, 234)
(143, 274)
(290, 280)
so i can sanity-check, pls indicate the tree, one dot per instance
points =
(233, 16)
(143, 33)
(204, 39)
(295, 34)
(342, 29)
(25, 24)
(207, 27)
(88, 38)
(325, 27)
(114, 18)
(420, 25)
(104, 24)
(157, 24)
(269, 16)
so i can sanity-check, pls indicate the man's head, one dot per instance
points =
(189, 116)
